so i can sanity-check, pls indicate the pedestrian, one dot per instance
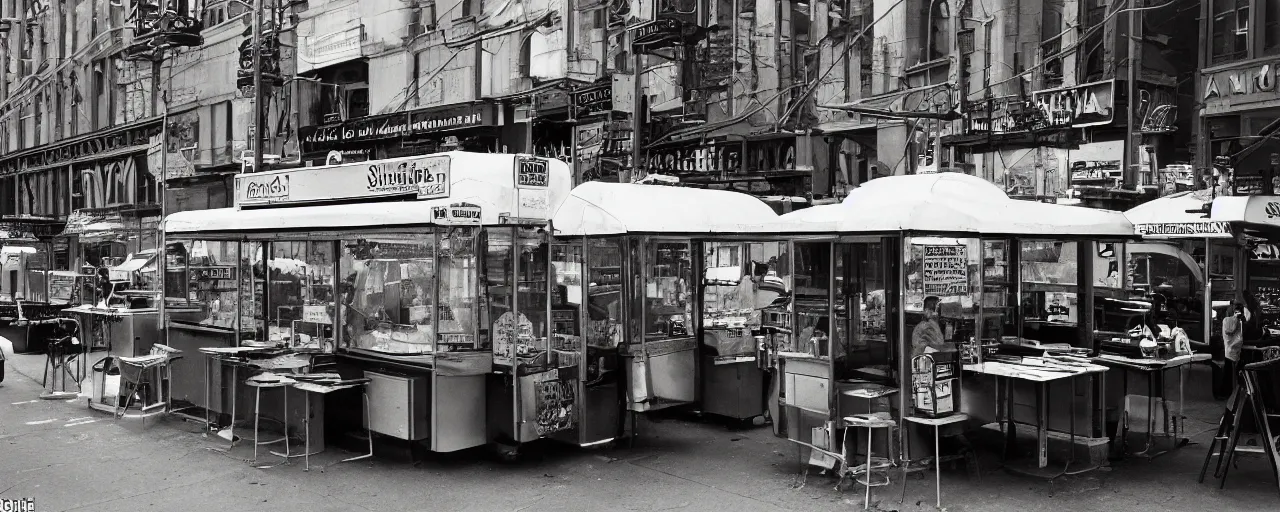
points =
(1232, 341)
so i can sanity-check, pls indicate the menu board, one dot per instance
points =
(946, 270)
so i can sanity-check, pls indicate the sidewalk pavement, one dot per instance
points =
(68, 457)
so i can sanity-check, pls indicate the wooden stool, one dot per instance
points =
(871, 422)
(269, 381)
(937, 424)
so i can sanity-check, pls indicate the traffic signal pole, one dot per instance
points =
(258, 109)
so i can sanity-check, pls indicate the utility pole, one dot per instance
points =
(1131, 85)
(258, 110)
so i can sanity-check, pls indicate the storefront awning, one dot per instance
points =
(1168, 217)
(597, 208)
(1253, 211)
(952, 203)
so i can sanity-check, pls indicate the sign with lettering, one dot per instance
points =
(456, 214)
(328, 137)
(316, 314)
(946, 270)
(218, 273)
(1250, 83)
(656, 34)
(1207, 229)
(137, 137)
(594, 99)
(531, 172)
(423, 177)
(714, 157)
(1078, 106)
(265, 189)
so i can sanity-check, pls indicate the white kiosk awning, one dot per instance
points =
(1168, 217)
(598, 208)
(952, 203)
(1255, 211)
(504, 188)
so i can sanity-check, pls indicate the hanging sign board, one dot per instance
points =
(946, 270)
(531, 172)
(316, 314)
(424, 177)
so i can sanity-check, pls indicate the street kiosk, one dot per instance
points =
(918, 265)
(422, 274)
(658, 332)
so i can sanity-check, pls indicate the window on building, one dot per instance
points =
(935, 39)
(1050, 47)
(1229, 31)
(38, 119)
(1271, 27)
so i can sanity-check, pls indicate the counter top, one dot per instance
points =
(1032, 373)
(1151, 363)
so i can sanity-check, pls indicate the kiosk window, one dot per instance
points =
(459, 284)
(604, 293)
(210, 270)
(667, 296)
(301, 294)
(388, 303)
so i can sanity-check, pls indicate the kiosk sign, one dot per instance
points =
(456, 214)
(423, 177)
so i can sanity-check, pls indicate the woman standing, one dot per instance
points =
(1232, 343)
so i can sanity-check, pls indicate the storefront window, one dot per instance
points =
(668, 301)
(391, 304)
(459, 283)
(604, 293)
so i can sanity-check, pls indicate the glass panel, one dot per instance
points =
(210, 277)
(1271, 28)
(636, 270)
(288, 283)
(566, 304)
(315, 329)
(1050, 291)
(254, 282)
(668, 304)
(604, 295)
(391, 308)
(458, 288)
(942, 275)
(533, 346)
(998, 290)
(728, 312)
(813, 271)
(499, 277)
(868, 354)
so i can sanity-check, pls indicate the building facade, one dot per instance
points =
(76, 124)
(1239, 113)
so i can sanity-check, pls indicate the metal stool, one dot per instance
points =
(871, 422)
(937, 424)
(1249, 401)
(269, 381)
